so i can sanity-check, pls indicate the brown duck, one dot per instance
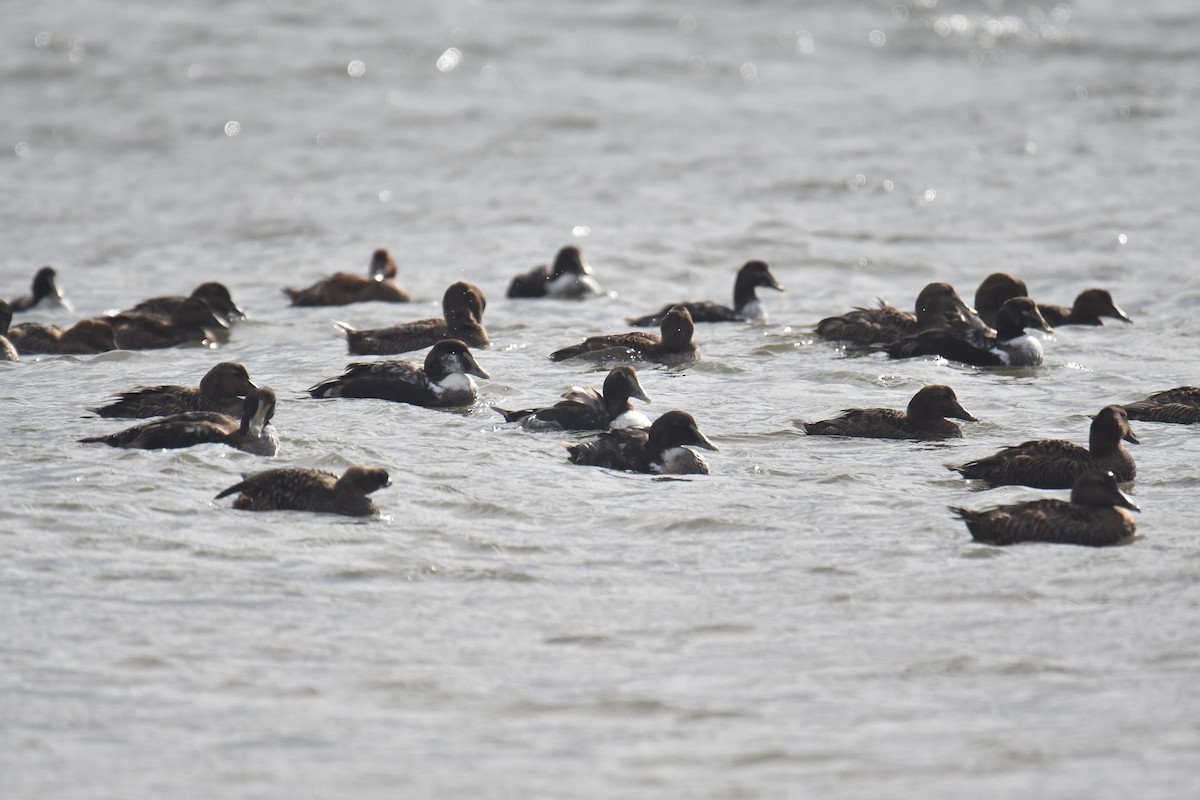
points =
(85, 337)
(1180, 405)
(462, 315)
(937, 306)
(1094, 517)
(674, 346)
(192, 322)
(343, 288)
(1057, 463)
(925, 418)
(221, 389)
(316, 490)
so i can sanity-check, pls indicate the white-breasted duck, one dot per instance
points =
(569, 278)
(1009, 345)
(443, 381)
(661, 449)
(746, 305)
(44, 291)
(585, 409)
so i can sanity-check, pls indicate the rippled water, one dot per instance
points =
(808, 621)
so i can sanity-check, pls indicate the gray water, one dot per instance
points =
(807, 621)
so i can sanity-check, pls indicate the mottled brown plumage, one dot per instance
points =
(343, 288)
(937, 306)
(191, 322)
(215, 295)
(316, 490)
(221, 389)
(1057, 463)
(85, 337)
(674, 346)
(462, 314)
(1089, 307)
(1092, 517)
(1180, 405)
(924, 418)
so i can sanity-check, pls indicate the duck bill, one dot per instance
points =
(962, 413)
(259, 420)
(1121, 315)
(1123, 501)
(473, 367)
(1131, 438)
(702, 441)
(636, 390)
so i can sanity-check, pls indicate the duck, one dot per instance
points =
(674, 346)
(660, 449)
(993, 291)
(44, 289)
(316, 490)
(1094, 517)
(925, 418)
(1009, 345)
(442, 382)
(85, 337)
(215, 295)
(1088, 308)
(7, 351)
(191, 322)
(344, 288)
(1056, 463)
(221, 389)
(569, 278)
(1180, 405)
(746, 305)
(462, 315)
(588, 410)
(253, 433)
(937, 306)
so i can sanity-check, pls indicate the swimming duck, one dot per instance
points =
(570, 278)
(462, 314)
(657, 449)
(586, 409)
(7, 351)
(1094, 517)
(343, 288)
(215, 295)
(253, 433)
(83, 338)
(192, 322)
(1180, 405)
(746, 305)
(43, 290)
(925, 418)
(1009, 345)
(317, 490)
(1056, 463)
(937, 306)
(444, 380)
(675, 345)
(221, 389)
(1089, 307)
(993, 291)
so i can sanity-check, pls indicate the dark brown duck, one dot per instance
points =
(344, 288)
(925, 418)
(1180, 405)
(316, 490)
(674, 346)
(586, 409)
(1094, 517)
(1089, 307)
(221, 389)
(215, 295)
(462, 315)
(85, 337)
(937, 306)
(1058, 463)
(192, 322)
(7, 351)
